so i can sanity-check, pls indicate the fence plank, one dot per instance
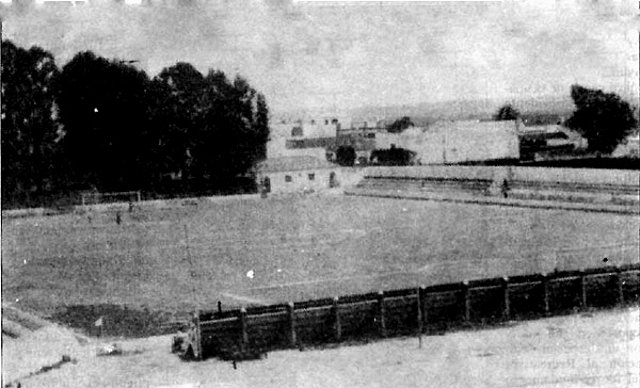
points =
(292, 324)
(336, 319)
(620, 285)
(244, 335)
(583, 290)
(419, 314)
(198, 337)
(545, 294)
(506, 307)
(466, 301)
(381, 314)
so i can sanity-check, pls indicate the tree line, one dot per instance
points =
(103, 124)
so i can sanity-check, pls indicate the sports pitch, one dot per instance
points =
(260, 251)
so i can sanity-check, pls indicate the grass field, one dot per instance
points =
(258, 251)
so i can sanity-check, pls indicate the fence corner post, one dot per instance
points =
(292, 324)
(336, 319)
(506, 307)
(381, 314)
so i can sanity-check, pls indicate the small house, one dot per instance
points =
(302, 174)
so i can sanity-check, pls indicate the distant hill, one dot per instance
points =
(465, 109)
(425, 113)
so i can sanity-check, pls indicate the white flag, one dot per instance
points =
(98, 323)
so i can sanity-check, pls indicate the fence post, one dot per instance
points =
(419, 317)
(244, 336)
(336, 319)
(466, 301)
(545, 293)
(583, 289)
(197, 348)
(620, 285)
(292, 324)
(506, 307)
(422, 306)
(381, 314)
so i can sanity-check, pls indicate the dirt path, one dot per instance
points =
(597, 349)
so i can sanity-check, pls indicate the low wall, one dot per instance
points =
(532, 174)
(414, 311)
(435, 171)
(584, 176)
(609, 187)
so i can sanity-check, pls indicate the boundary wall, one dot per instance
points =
(252, 331)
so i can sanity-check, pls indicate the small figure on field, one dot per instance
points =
(118, 218)
(505, 188)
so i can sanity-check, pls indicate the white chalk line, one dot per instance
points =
(418, 271)
(246, 299)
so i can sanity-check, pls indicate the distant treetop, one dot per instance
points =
(604, 119)
(400, 125)
(506, 112)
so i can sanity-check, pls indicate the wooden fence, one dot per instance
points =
(256, 330)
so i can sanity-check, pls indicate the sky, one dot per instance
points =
(341, 55)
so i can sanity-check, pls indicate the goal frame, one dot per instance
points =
(96, 198)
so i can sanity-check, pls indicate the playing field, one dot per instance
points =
(258, 251)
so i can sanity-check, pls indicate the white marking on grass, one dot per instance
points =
(328, 280)
(246, 299)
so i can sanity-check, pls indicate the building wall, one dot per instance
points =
(300, 182)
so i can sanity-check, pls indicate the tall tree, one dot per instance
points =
(28, 125)
(604, 119)
(177, 116)
(506, 112)
(103, 112)
(261, 127)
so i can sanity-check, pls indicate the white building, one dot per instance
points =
(457, 141)
(297, 174)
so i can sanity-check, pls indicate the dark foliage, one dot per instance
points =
(400, 125)
(393, 157)
(604, 119)
(103, 112)
(506, 112)
(346, 156)
(103, 124)
(29, 148)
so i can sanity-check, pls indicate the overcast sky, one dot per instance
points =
(337, 55)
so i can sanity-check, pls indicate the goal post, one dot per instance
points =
(94, 197)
